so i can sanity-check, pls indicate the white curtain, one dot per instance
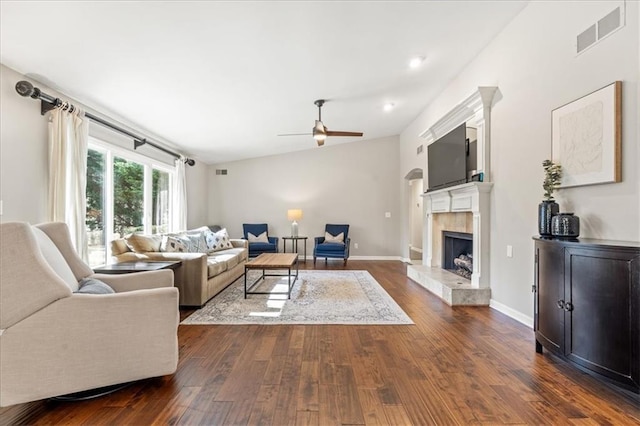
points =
(68, 140)
(180, 197)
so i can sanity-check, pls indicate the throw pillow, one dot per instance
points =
(197, 242)
(210, 239)
(119, 246)
(220, 241)
(328, 238)
(185, 243)
(174, 244)
(141, 243)
(93, 286)
(262, 238)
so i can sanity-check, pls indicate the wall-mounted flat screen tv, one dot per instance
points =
(447, 159)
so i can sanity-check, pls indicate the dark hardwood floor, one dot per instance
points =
(464, 365)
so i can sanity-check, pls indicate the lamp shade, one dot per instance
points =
(294, 214)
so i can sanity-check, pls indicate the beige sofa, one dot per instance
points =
(201, 275)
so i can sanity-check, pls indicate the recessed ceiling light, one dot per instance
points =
(388, 106)
(416, 61)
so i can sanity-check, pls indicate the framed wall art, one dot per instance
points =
(586, 138)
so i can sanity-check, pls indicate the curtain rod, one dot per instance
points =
(48, 102)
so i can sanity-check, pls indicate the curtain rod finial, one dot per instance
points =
(24, 88)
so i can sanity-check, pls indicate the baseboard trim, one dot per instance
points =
(510, 312)
(399, 258)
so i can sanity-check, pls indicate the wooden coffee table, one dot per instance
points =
(271, 261)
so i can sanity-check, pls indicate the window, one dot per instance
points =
(128, 197)
(126, 193)
(160, 202)
(95, 211)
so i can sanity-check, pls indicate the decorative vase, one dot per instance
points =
(546, 210)
(565, 225)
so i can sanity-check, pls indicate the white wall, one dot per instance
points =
(415, 212)
(534, 65)
(24, 162)
(409, 161)
(23, 153)
(353, 183)
(197, 195)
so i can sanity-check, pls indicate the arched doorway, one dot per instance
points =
(414, 217)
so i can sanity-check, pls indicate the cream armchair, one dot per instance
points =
(54, 341)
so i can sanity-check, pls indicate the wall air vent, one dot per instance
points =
(221, 171)
(586, 38)
(609, 23)
(420, 149)
(605, 26)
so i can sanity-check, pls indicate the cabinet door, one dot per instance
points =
(601, 322)
(549, 317)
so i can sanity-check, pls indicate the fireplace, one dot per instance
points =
(470, 201)
(457, 253)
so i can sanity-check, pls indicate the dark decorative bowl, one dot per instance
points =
(565, 225)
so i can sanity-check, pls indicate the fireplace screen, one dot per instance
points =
(457, 253)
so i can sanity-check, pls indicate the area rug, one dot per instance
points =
(318, 297)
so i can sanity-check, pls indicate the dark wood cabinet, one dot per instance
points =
(587, 305)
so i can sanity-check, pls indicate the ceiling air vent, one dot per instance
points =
(221, 171)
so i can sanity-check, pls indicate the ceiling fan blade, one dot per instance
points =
(320, 131)
(341, 133)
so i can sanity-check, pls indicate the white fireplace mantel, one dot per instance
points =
(472, 197)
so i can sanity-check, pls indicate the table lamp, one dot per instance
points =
(294, 215)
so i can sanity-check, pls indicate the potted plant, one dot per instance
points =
(548, 207)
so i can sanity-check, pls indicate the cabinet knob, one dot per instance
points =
(568, 307)
(560, 304)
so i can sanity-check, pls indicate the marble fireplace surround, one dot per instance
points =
(461, 208)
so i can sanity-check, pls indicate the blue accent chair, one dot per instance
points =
(332, 250)
(256, 229)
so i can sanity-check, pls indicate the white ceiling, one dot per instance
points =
(220, 80)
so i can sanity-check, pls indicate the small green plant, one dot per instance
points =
(552, 177)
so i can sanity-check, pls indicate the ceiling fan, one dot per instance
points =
(320, 131)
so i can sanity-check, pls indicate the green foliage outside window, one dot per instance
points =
(160, 202)
(95, 190)
(128, 195)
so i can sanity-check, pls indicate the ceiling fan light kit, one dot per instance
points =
(416, 61)
(319, 131)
